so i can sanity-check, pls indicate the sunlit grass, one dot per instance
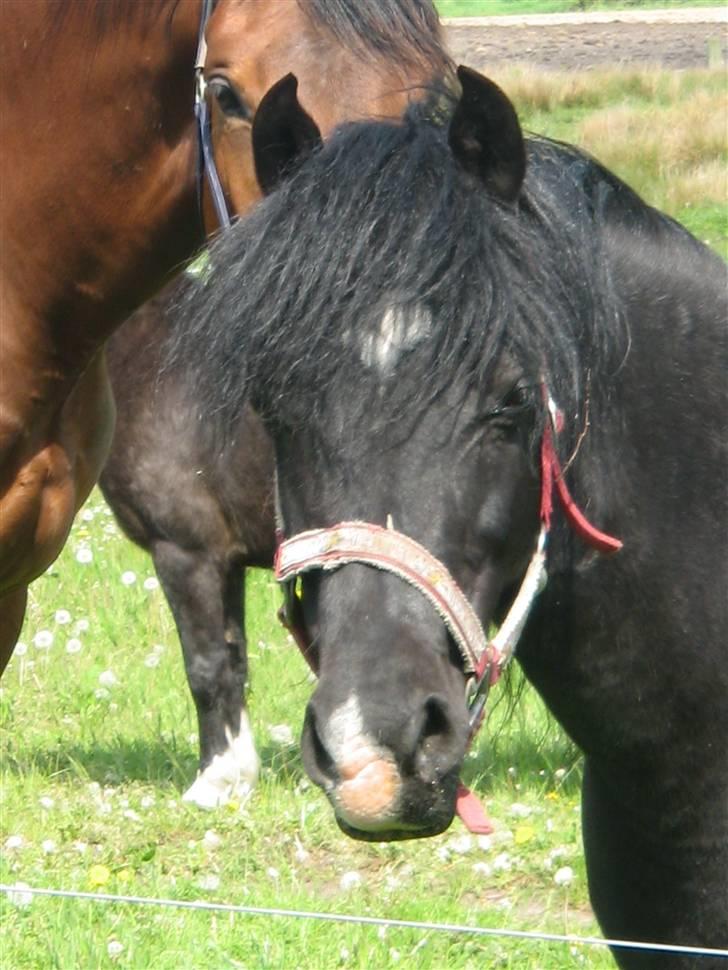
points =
(99, 741)
(664, 133)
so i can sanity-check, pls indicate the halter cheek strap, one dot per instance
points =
(206, 159)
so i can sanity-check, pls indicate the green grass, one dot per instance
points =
(94, 767)
(664, 133)
(493, 8)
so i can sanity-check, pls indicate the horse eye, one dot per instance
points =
(517, 398)
(229, 100)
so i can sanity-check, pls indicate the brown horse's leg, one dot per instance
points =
(12, 612)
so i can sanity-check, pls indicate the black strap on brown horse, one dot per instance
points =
(205, 156)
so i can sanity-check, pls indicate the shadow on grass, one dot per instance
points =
(123, 760)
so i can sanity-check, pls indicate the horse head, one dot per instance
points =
(350, 61)
(387, 727)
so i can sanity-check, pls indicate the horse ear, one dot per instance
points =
(282, 133)
(485, 135)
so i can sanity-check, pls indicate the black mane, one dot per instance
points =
(404, 30)
(382, 216)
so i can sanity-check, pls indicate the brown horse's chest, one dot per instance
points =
(54, 473)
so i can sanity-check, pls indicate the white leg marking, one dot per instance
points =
(229, 775)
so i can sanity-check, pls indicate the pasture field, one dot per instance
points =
(98, 730)
(498, 8)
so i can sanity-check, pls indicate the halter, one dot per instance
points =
(205, 156)
(386, 549)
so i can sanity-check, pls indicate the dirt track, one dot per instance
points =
(581, 46)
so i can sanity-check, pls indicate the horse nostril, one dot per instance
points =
(317, 760)
(436, 750)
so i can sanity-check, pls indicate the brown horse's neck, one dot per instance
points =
(98, 205)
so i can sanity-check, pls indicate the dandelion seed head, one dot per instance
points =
(21, 649)
(209, 882)
(81, 626)
(482, 869)
(84, 555)
(461, 844)
(14, 842)
(128, 578)
(151, 660)
(502, 863)
(101, 694)
(107, 678)
(350, 880)
(74, 645)
(147, 801)
(62, 617)
(150, 583)
(19, 894)
(564, 876)
(281, 734)
(45, 801)
(273, 873)
(519, 810)
(48, 846)
(211, 839)
(114, 949)
(43, 640)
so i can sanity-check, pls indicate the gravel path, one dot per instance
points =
(677, 40)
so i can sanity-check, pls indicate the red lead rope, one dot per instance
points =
(551, 474)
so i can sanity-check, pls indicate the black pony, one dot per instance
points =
(438, 322)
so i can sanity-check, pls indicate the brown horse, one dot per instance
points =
(99, 206)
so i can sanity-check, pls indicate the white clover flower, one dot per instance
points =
(281, 734)
(19, 894)
(128, 578)
(84, 555)
(211, 839)
(62, 617)
(14, 842)
(563, 876)
(107, 678)
(350, 880)
(43, 640)
(150, 583)
(48, 846)
(45, 801)
(114, 948)
(151, 660)
(210, 881)
(74, 645)
(21, 649)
